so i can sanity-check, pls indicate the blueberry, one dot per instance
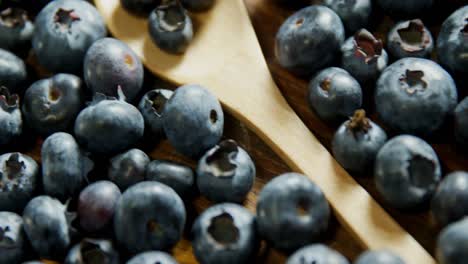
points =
(355, 14)
(317, 253)
(64, 166)
(13, 74)
(226, 173)
(128, 168)
(90, 251)
(151, 107)
(11, 121)
(292, 211)
(108, 125)
(16, 29)
(225, 233)
(356, 143)
(452, 243)
(12, 239)
(334, 94)
(151, 257)
(405, 8)
(363, 56)
(193, 120)
(452, 43)
(309, 40)
(415, 96)
(407, 171)
(170, 27)
(379, 257)
(109, 64)
(46, 224)
(410, 38)
(197, 5)
(64, 30)
(139, 7)
(177, 176)
(450, 202)
(149, 216)
(51, 105)
(18, 181)
(461, 122)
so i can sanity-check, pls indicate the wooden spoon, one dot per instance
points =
(225, 57)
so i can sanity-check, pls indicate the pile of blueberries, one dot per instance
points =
(413, 89)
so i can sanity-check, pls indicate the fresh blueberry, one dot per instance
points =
(108, 125)
(51, 105)
(363, 56)
(149, 216)
(355, 14)
(292, 211)
(197, 5)
(452, 43)
(177, 176)
(309, 40)
(16, 29)
(47, 225)
(452, 243)
(461, 122)
(405, 8)
(407, 171)
(64, 166)
(128, 168)
(334, 94)
(151, 107)
(93, 251)
(225, 233)
(193, 120)
(379, 257)
(226, 173)
(96, 205)
(170, 27)
(11, 121)
(12, 239)
(18, 181)
(415, 96)
(410, 38)
(356, 143)
(317, 253)
(139, 7)
(64, 30)
(109, 64)
(13, 74)
(450, 202)
(151, 257)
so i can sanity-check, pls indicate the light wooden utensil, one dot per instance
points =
(226, 57)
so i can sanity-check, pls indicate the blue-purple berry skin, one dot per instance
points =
(151, 257)
(179, 177)
(139, 7)
(12, 238)
(415, 96)
(151, 107)
(452, 243)
(19, 176)
(225, 233)
(309, 40)
(461, 122)
(198, 5)
(110, 64)
(93, 251)
(410, 8)
(452, 42)
(450, 201)
(64, 30)
(128, 168)
(226, 173)
(13, 73)
(16, 29)
(407, 172)
(317, 253)
(193, 120)
(410, 38)
(355, 14)
(356, 143)
(379, 257)
(334, 94)
(11, 120)
(292, 211)
(363, 56)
